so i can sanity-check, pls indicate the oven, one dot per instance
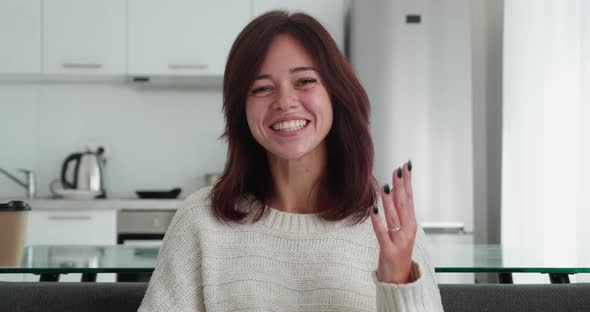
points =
(141, 227)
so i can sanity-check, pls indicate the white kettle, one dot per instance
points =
(87, 175)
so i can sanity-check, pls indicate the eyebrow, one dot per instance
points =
(291, 71)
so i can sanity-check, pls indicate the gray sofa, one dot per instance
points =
(90, 297)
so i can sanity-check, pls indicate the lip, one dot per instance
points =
(287, 118)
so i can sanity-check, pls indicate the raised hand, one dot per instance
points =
(396, 241)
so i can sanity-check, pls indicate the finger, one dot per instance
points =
(379, 228)
(407, 178)
(399, 196)
(391, 217)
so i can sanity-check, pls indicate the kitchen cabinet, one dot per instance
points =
(20, 35)
(136, 37)
(85, 37)
(63, 227)
(330, 13)
(183, 37)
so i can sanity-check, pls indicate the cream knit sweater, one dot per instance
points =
(284, 262)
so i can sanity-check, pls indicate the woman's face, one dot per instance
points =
(288, 108)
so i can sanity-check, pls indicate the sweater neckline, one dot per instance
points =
(298, 222)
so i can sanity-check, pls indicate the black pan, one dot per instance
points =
(173, 193)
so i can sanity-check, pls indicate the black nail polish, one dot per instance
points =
(387, 189)
(399, 172)
(409, 165)
(375, 210)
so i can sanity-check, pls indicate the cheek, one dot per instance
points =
(330, 117)
(251, 116)
(255, 114)
(321, 106)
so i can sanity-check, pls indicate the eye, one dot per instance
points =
(260, 90)
(305, 81)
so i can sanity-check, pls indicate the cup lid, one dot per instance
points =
(15, 205)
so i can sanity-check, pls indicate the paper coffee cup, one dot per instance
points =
(13, 224)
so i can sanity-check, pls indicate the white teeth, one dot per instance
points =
(290, 125)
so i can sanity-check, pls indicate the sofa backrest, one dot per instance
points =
(505, 297)
(70, 297)
(126, 297)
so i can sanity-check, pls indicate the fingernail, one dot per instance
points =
(399, 172)
(375, 210)
(409, 165)
(387, 189)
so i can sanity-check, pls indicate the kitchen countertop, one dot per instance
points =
(100, 204)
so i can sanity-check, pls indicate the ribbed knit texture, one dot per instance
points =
(285, 262)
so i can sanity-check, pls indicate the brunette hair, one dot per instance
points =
(347, 189)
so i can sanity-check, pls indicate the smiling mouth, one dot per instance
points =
(290, 125)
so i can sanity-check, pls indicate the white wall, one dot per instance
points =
(155, 138)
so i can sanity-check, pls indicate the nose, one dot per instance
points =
(286, 99)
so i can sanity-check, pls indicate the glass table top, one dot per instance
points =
(447, 258)
(85, 259)
(479, 258)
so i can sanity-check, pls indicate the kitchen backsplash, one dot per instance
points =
(154, 137)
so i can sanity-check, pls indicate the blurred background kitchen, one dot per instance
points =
(129, 92)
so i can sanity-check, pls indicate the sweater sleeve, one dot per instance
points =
(176, 284)
(421, 295)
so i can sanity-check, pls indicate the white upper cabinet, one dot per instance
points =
(20, 37)
(183, 37)
(84, 37)
(136, 37)
(330, 13)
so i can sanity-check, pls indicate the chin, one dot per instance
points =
(290, 155)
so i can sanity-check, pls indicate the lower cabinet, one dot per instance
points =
(72, 227)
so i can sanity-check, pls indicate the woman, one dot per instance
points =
(286, 227)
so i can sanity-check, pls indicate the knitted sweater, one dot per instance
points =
(283, 262)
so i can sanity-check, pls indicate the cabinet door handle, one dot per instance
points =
(443, 227)
(69, 218)
(187, 66)
(82, 65)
